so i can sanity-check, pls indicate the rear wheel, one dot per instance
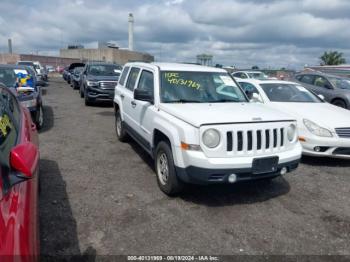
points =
(339, 102)
(81, 92)
(167, 179)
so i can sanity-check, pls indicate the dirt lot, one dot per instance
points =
(100, 196)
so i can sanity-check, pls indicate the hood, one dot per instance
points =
(198, 114)
(323, 114)
(103, 78)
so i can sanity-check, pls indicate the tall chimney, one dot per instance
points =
(10, 45)
(131, 32)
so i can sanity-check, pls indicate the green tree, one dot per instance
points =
(332, 58)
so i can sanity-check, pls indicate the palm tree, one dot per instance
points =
(332, 58)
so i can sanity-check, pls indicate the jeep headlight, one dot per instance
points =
(316, 129)
(92, 83)
(292, 133)
(211, 138)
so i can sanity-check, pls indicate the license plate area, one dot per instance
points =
(265, 165)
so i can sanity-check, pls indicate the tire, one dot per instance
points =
(119, 127)
(339, 102)
(167, 179)
(81, 93)
(87, 100)
(39, 118)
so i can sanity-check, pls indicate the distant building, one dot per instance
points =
(205, 59)
(106, 53)
(44, 60)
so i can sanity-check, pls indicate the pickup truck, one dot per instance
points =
(200, 127)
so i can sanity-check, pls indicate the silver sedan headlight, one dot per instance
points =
(292, 133)
(316, 129)
(211, 138)
(29, 103)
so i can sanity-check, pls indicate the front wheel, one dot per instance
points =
(87, 100)
(81, 92)
(339, 103)
(119, 127)
(39, 121)
(167, 179)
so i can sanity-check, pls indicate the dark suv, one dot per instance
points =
(335, 89)
(98, 82)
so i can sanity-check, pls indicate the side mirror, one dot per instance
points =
(256, 98)
(143, 95)
(321, 97)
(24, 158)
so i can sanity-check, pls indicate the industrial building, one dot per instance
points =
(105, 53)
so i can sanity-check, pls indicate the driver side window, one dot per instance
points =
(321, 82)
(146, 81)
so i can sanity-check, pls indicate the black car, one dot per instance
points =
(335, 89)
(22, 81)
(75, 77)
(99, 81)
(67, 73)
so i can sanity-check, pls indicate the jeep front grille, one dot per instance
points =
(343, 132)
(255, 140)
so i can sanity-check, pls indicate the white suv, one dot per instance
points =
(200, 127)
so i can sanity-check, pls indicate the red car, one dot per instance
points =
(19, 174)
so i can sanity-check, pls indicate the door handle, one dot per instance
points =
(133, 104)
(122, 96)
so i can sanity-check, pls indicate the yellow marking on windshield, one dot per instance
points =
(175, 79)
(4, 124)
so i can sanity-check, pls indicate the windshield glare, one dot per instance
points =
(199, 87)
(289, 93)
(340, 82)
(104, 70)
(257, 75)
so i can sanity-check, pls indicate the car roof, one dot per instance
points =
(11, 66)
(259, 81)
(177, 67)
(247, 71)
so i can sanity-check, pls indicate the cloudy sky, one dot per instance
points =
(270, 33)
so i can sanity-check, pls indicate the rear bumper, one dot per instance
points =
(97, 94)
(205, 176)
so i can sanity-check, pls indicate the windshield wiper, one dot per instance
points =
(224, 101)
(184, 101)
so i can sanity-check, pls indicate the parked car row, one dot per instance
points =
(96, 81)
(334, 89)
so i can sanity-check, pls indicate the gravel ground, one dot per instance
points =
(100, 197)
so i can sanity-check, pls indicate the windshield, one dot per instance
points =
(257, 75)
(340, 82)
(199, 87)
(279, 92)
(104, 70)
(26, 63)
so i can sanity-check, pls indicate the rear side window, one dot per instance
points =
(130, 84)
(9, 123)
(124, 74)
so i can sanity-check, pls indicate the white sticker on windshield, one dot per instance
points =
(302, 89)
(227, 80)
(20, 71)
(117, 71)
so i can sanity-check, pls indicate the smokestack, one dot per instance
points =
(131, 32)
(10, 45)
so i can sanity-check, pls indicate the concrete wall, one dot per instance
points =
(9, 58)
(111, 55)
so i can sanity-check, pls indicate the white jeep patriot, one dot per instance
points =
(199, 126)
